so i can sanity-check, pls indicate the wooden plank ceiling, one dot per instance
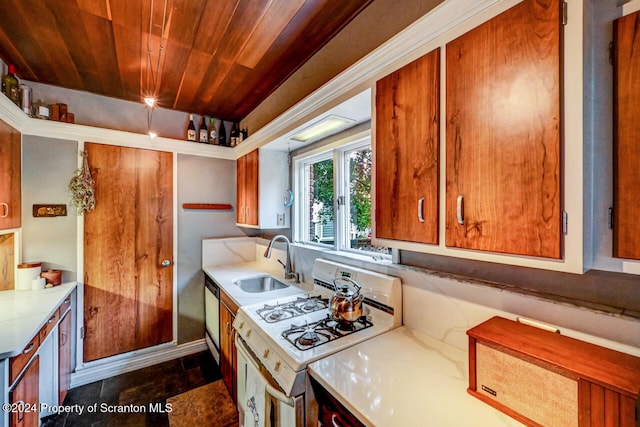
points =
(220, 58)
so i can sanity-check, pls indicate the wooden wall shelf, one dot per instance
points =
(208, 206)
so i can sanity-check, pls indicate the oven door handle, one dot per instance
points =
(277, 394)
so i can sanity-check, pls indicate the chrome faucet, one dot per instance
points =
(289, 274)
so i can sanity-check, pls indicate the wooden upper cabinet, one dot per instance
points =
(262, 183)
(241, 166)
(626, 170)
(247, 203)
(406, 151)
(251, 188)
(10, 179)
(503, 127)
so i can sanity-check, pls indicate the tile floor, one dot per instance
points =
(137, 389)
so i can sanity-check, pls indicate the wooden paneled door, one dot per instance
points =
(503, 191)
(406, 152)
(128, 292)
(626, 170)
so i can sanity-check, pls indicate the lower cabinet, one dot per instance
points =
(65, 356)
(228, 310)
(331, 412)
(24, 397)
(40, 376)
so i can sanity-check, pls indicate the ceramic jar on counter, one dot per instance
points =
(27, 271)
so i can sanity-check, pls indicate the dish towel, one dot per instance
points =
(255, 402)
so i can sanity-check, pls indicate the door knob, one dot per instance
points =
(166, 263)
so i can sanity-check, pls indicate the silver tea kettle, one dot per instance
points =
(346, 304)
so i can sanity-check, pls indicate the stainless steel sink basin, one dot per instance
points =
(257, 284)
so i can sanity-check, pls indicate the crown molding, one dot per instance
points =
(14, 116)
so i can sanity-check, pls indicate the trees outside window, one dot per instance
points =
(336, 210)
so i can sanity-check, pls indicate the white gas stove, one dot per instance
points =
(287, 334)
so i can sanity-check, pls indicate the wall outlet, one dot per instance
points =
(280, 220)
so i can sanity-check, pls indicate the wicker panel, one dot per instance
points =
(544, 396)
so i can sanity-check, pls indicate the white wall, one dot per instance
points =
(200, 180)
(47, 166)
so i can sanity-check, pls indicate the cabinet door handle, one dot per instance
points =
(6, 209)
(21, 410)
(63, 338)
(334, 420)
(28, 349)
(420, 209)
(460, 208)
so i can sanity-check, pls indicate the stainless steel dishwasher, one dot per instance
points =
(212, 316)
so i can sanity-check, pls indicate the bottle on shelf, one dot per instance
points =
(213, 135)
(245, 134)
(204, 132)
(222, 134)
(10, 85)
(240, 136)
(25, 99)
(233, 135)
(191, 130)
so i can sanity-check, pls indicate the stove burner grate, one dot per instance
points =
(272, 313)
(310, 335)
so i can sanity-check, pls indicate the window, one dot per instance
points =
(333, 184)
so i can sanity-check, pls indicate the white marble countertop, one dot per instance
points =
(404, 378)
(224, 275)
(24, 313)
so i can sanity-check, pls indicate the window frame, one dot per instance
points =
(338, 150)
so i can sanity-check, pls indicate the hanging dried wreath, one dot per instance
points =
(82, 188)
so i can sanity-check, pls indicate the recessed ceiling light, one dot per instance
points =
(150, 101)
(321, 128)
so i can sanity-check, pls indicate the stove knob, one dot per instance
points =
(265, 354)
(249, 332)
(241, 325)
(276, 367)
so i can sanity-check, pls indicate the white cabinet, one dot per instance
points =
(39, 373)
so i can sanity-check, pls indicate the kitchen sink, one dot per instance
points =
(259, 284)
